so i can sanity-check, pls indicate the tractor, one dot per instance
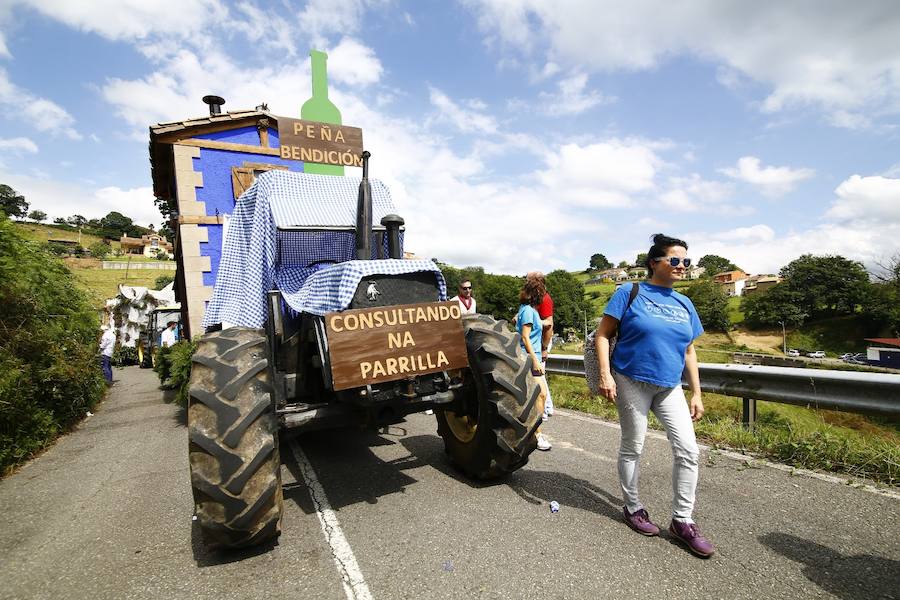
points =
(317, 321)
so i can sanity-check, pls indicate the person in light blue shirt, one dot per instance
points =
(529, 326)
(655, 344)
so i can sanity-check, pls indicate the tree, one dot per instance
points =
(12, 203)
(826, 285)
(881, 310)
(38, 216)
(116, 222)
(716, 264)
(76, 221)
(60, 221)
(623, 264)
(711, 304)
(599, 262)
(781, 304)
(100, 250)
(570, 308)
(641, 259)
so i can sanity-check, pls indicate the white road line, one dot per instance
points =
(745, 457)
(351, 577)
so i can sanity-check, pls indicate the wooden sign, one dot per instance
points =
(322, 143)
(373, 345)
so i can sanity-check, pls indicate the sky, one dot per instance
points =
(513, 134)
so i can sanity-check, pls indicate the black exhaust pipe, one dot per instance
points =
(393, 223)
(215, 104)
(364, 213)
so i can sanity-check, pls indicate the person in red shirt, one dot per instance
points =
(545, 312)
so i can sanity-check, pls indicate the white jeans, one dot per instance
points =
(634, 401)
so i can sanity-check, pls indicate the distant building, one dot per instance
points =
(694, 272)
(760, 284)
(148, 245)
(732, 282)
(884, 352)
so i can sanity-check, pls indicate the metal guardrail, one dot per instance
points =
(850, 391)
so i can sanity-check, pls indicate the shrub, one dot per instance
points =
(123, 356)
(100, 250)
(173, 366)
(49, 371)
(162, 281)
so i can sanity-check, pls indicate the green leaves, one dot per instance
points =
(49, 373)
(711, 304)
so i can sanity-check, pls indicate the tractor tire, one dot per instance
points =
(233, 441)
(496, 437)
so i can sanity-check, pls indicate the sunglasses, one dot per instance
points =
(674, 261)
(465, 287)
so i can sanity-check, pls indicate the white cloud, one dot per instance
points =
(772, 181)
(571, 97)
(469, 121)
(840, 57)
(63, 199)
(862, 224)
(266, 27)
(353, 64)
(875, 199)
(695, 194)
(321, 18)
(19, 144)
(605, 174)
(132, 19)
(42, 114)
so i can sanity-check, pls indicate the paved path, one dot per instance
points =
(106, 513)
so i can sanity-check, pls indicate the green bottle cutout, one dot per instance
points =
(320, 108)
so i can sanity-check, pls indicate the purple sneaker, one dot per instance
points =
(640, 522)
(690, 534)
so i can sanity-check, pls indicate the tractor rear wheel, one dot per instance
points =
(497, 432)
(233, 440)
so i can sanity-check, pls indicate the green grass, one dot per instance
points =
(834, 336)
(598, 295)
(42, 233)
(103, 284)
(735, 315)
(846, 443)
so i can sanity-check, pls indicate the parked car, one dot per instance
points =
(792, 352)
(816, 354)
(845, 355)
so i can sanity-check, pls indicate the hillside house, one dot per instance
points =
(694, 272)
(884, 352)
(148, 245)
(732, 282)
(760, 284)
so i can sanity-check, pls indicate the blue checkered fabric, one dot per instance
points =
(304, 248)
(319, 291)
(305, 200)
(257, 256)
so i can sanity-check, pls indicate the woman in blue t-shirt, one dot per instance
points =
(655, 345)
(528, 324)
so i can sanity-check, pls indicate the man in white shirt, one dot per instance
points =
(107, 346)
(466, 301)
(169, 337)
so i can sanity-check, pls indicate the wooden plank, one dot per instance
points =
(216, 145)
(387, 343)
(201, 220)
(181, 132)
(320, 143)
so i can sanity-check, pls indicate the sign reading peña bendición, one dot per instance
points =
(322, 143)
(375, 345)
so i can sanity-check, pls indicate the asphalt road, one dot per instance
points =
(106, 513)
